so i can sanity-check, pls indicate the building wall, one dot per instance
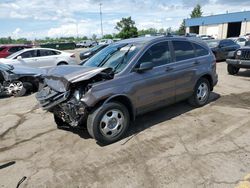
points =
(245, 28)
(222, 31)
(219, 31)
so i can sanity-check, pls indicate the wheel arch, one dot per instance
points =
(123, 99)
(63, 62)
(210, 80)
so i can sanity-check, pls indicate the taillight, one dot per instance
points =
(73, 56)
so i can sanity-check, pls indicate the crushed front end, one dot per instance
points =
(62, 94)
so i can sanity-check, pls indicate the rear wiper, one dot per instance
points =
(123, 58)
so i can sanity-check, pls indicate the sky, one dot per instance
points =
(57, 18)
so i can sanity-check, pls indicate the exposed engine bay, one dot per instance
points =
(63, 96)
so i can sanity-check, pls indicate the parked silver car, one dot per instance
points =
(40, 57)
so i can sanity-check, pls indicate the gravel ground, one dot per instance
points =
(177, 146)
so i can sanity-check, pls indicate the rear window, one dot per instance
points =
(200, 51)
(15, 49)
(183, 50)
(2, 48)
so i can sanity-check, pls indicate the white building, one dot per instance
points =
(220, 26)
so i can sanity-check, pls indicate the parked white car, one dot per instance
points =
(40, 57)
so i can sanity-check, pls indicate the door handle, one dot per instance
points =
(169, 69)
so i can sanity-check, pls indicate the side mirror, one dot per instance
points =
(144, 66)
(19, 57)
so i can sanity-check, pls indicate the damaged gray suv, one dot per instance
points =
(128, 78)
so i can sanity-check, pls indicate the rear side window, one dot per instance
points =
(15, 49)
(2, 48)
(227, 42)
(200, 51)
(183, 50)
(48, 52)
(158, 54)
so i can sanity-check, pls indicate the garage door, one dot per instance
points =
(213, 31)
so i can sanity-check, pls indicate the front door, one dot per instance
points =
(154, 88)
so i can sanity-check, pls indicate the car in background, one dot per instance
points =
(6, 50)
(89, 53)
(106, 41)
(86, 44)
(19, 80)
(221, 48)
(240, 40)
(40, 57)
(126, 79)
(241, 59)
(206, 37)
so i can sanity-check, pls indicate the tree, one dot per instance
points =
(108, 36)
(197, 12)
(150, 31)
(126, 28)
(182, 28)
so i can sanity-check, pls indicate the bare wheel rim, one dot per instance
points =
(15, 87)
(112, 123)
(202, 92)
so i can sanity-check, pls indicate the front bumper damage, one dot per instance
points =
(63, 105)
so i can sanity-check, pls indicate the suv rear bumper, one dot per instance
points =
(239, 63)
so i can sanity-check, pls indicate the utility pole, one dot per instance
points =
(101, 18)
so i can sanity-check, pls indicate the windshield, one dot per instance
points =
(12, 56)
(114, 56)
(212, 43)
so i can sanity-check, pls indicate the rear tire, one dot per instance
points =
(108, 123)
(201, 93)
(232, 70)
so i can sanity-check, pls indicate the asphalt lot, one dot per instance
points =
(176, 146)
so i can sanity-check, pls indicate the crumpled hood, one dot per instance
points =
(73, 73)
(23, 70)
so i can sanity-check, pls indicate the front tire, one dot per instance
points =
(108, 123)
(201, 93)
(18, 88)
(232, 70)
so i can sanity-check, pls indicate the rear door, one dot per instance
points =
(185, 68)
(47, 58)
(154, 88)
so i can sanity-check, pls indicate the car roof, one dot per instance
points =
(28, 49)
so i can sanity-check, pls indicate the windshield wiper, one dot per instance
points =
(109, 56)
(123, 59)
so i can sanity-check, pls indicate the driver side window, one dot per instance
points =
(158, 54)
(29, 54)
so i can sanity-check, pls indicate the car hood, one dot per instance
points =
(23, 70)
(59, 78)
(74, 73)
